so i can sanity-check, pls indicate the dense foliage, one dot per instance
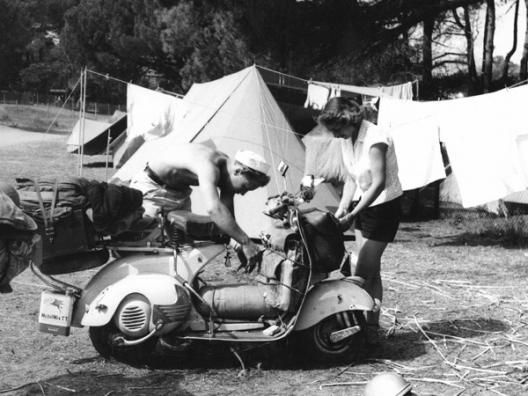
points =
(46, 43)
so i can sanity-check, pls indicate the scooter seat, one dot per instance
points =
(196, 227)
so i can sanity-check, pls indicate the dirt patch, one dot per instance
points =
(13, 136)
(453, 323)
(453, 319)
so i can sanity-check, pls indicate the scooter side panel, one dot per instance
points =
(159, 289)
(117, 270)
(330, 297)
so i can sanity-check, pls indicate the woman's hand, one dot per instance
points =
(345, 221)
(339, 213)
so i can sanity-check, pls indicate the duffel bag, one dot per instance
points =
(60, 216)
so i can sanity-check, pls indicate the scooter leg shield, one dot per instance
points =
(330, 297)
(157, 288)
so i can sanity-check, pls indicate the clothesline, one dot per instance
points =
(286, 130)
(315, 82)
(108, 77)
(63, 105)
(310, 81)
(518, 84)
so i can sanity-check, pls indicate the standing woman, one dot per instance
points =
(372, 191)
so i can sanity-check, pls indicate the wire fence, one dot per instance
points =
(57, 99)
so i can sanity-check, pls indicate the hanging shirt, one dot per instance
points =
(415, 135)
(357, 161)
(151, 114)
(484, 142)
(317, 96)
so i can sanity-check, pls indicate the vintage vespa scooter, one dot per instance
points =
(152, 296)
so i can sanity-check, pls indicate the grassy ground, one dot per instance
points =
(454, 321)
(40, 118)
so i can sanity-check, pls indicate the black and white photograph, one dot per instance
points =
(264, 197)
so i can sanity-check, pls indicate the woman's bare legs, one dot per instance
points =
(368, 267)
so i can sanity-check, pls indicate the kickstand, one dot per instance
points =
(242, 372)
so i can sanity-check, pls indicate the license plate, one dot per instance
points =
(55, 313)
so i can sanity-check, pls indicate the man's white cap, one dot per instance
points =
(252, 160)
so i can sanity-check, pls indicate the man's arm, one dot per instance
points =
(220, 209)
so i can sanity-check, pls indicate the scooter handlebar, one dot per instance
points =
(273, 211)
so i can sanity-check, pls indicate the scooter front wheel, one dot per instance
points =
(104, 339)
(334, 337)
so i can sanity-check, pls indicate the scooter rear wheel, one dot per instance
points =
(318, 336)
(103, 340)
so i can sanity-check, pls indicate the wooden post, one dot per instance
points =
(107, 152)
(82, 111)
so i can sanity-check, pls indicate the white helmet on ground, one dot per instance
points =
(387, 384)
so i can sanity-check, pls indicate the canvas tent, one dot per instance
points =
(97, 134)
(237, 112)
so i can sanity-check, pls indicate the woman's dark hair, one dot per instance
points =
(340, 112)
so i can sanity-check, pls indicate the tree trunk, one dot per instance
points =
(514, 45)
(489, 33)
(472, 68)
(523, 75)
(427, 62)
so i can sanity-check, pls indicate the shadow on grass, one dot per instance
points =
(466, 328)
(485, 239)
(288, 355)
(99, 164)
(96, 383)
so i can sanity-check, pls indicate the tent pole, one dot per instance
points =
(107, 153)
(80, 119)
(83, 118)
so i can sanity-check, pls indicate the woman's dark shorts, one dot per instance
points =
(380, 223)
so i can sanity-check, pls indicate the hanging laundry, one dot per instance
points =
(416, 143)
(480, 134)
(335, 91)
(400, 91)
(151, 114)
(317, 96)
(324, 157)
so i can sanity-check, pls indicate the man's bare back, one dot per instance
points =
(166, 182)
(179, 168)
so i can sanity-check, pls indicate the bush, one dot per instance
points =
(509, 232)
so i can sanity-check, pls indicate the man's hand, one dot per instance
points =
(250, 256)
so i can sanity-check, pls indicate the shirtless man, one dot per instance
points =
(166, 182)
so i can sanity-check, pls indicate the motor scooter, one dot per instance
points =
(153, 295)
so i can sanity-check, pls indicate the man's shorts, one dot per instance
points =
(156, 197)
(380, 223)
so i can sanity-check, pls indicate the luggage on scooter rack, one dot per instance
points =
(324, 238)
(68, 237)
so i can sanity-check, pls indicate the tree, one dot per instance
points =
(203, 40)
(487, 58)
(15, 30)
(120, 38)
(514, 44)
(466, 27)
(523, 74)
(356, 41)
(428, 27)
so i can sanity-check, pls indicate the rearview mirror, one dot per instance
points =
(283, 168)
